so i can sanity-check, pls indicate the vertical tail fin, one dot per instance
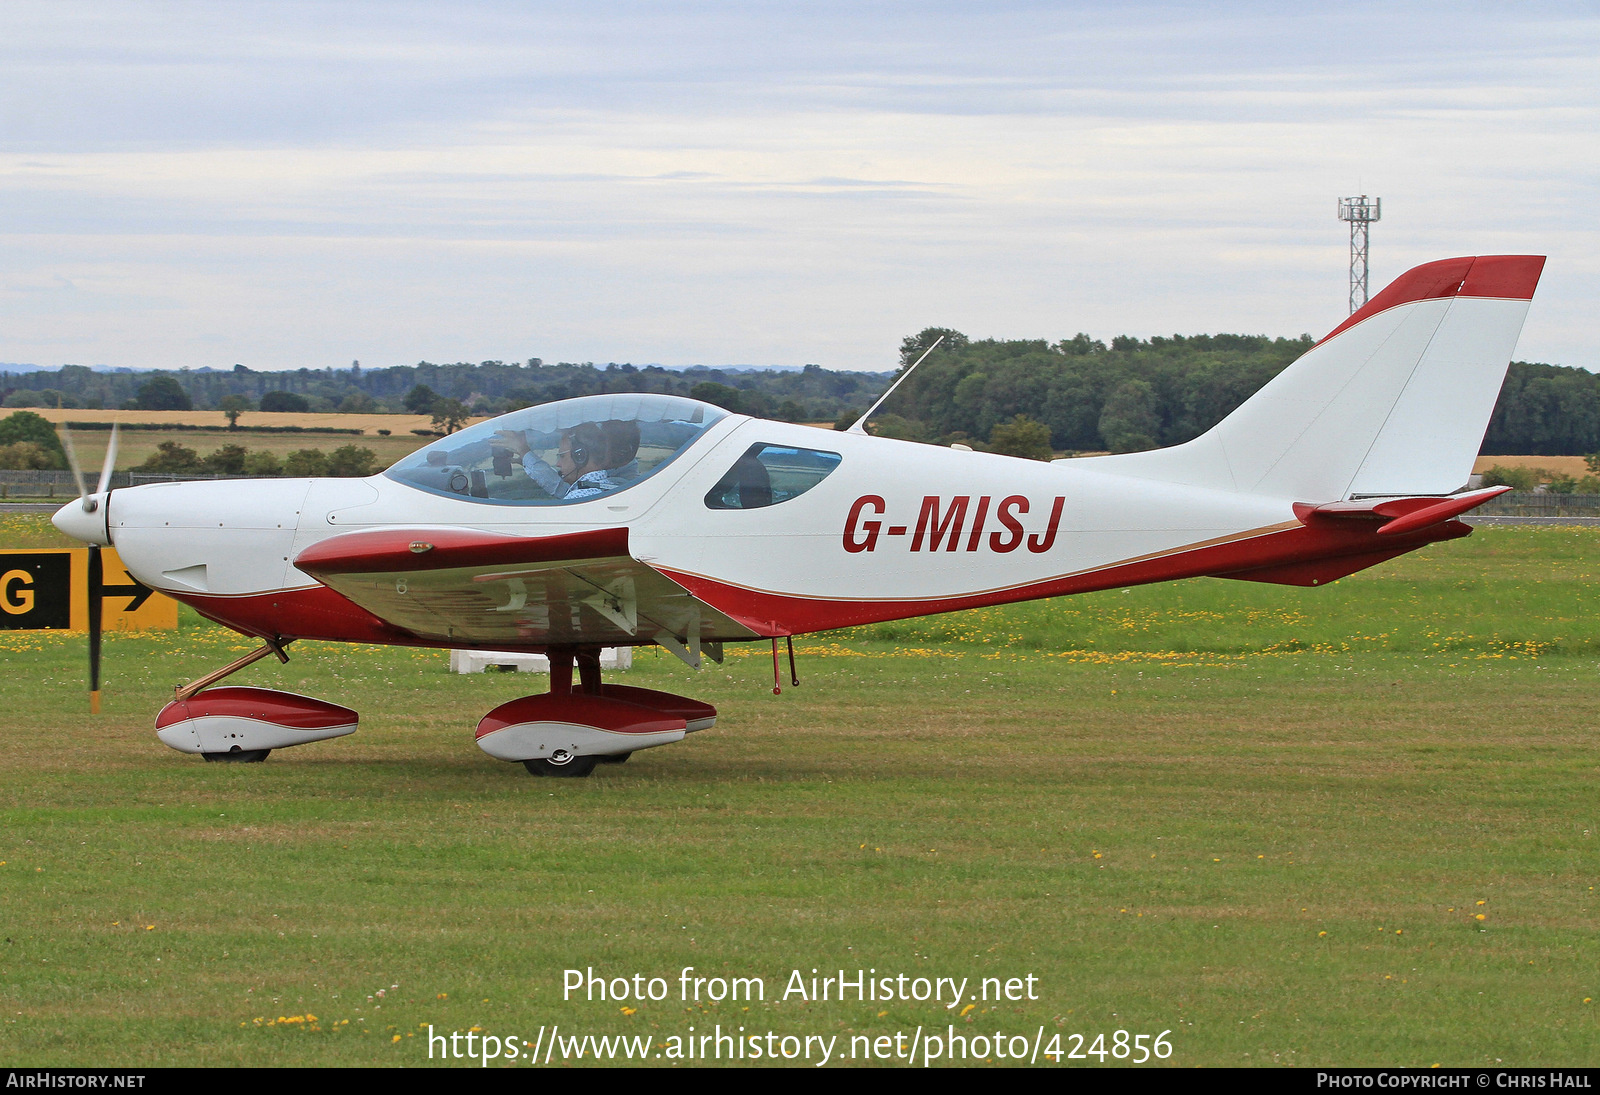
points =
(1394, 401)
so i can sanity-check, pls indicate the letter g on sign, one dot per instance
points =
(16, 594)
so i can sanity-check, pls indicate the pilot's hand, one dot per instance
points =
(512, 441)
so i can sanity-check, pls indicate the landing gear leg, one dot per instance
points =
(268, 646)
(589, 671)
(562, 762)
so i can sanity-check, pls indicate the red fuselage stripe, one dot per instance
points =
(787, 614)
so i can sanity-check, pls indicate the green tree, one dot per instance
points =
(1022, 436)
(227, 460)
(1515, 478)
(262, 464)
(25, 456)
(27, 426)
(916, 345)
(420, 399)
(163, 393)
(352, 461)
(306, 463)
(719, 395)
(897, 427)
(449, 415)
(285, 402)
(1129, 422)
(233, 406)
(171, 458)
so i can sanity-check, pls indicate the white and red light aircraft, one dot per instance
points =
(619, 520)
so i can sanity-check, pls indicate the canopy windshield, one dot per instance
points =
(561, 453)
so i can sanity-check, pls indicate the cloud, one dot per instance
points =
(710, 182)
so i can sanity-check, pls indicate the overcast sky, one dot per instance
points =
(287, 184)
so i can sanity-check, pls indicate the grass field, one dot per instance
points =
(1354, 825)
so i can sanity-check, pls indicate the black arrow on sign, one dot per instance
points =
(136, 592)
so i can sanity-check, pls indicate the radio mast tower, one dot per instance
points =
(1360, 213)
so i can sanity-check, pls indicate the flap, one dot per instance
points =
(466, 587)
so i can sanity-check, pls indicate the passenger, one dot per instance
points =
(580, 470)
(622, 448)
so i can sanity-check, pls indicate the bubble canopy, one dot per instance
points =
(562, 453)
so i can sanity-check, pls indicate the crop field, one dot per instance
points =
(366, 423)
(206, 431)
(134, 447)
(1355, 825)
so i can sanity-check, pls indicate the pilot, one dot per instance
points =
(580, 463)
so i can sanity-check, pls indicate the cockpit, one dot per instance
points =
(555, 454)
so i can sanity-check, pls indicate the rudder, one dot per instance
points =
(1394, 401)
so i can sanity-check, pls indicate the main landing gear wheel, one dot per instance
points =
(239, 756)
(613, 758)
(562, 762)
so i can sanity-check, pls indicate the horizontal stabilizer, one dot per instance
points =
(1399, 515)
(1341, 538)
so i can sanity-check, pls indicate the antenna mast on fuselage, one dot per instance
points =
(861, 423)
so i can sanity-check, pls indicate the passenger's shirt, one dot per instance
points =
(588, 485)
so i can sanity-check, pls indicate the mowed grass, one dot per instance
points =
(1354, 825)
(31, 531)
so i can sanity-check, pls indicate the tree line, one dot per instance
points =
(1146, 393)
(1071, 395)
(461, 390)
(172, 458)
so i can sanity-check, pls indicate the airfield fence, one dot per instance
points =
(60, 484)
(50, 484)
(1527, 503)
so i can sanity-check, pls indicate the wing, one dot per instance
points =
(466, 587)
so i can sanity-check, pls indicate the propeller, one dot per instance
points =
(96, 571)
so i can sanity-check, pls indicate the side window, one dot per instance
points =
(768, 474)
